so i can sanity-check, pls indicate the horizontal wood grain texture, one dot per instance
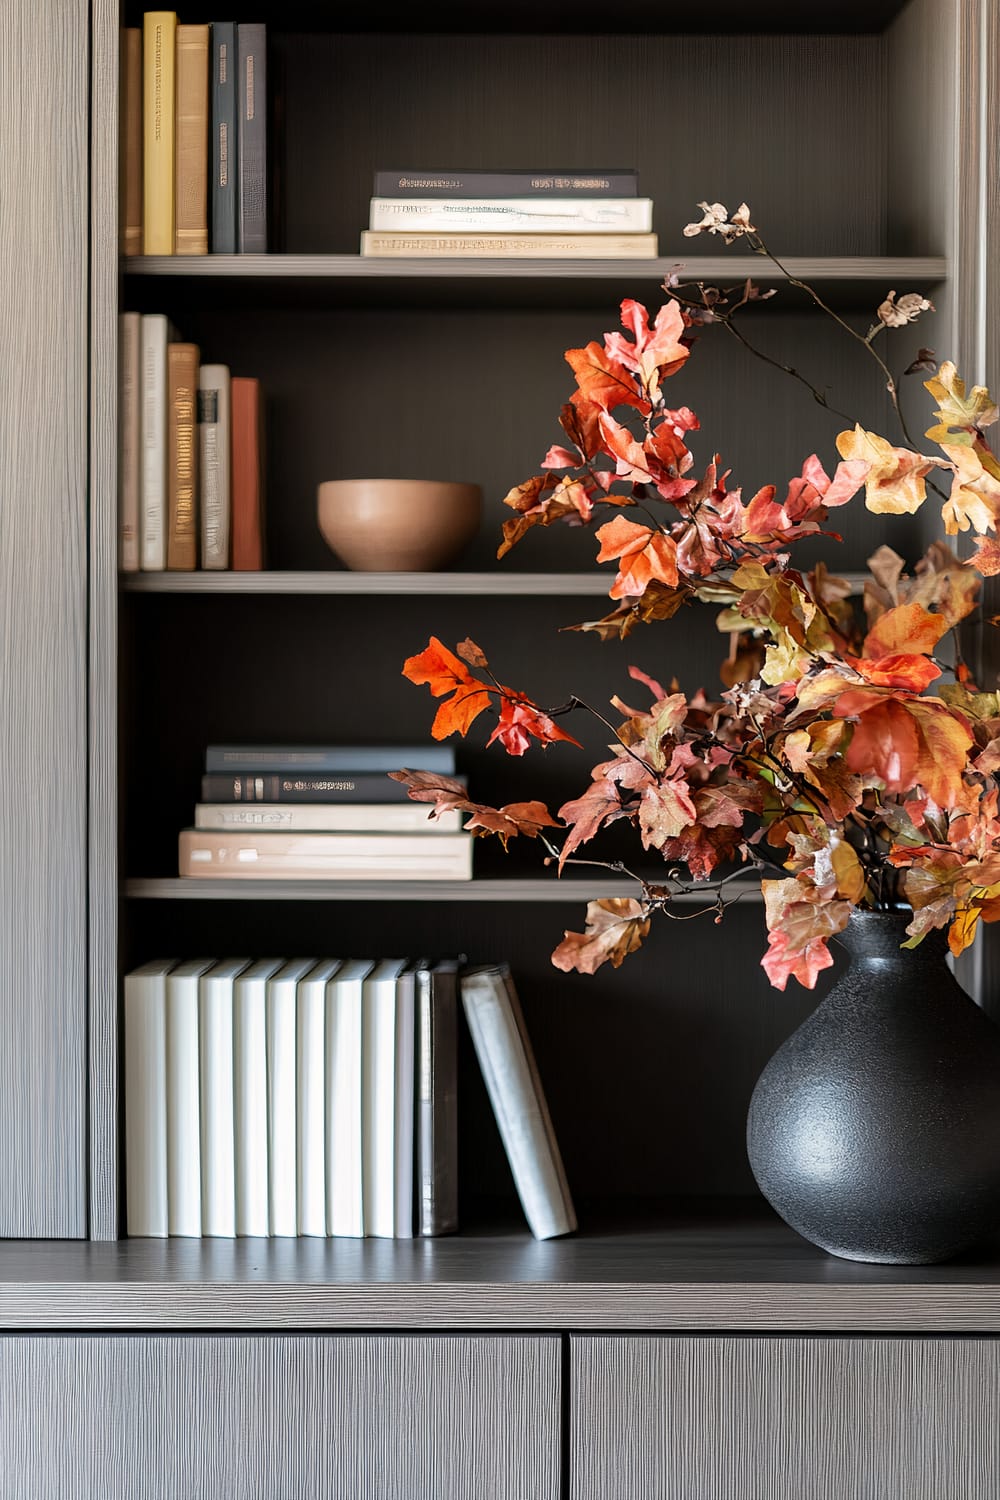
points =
(279, 1418)
(43, 609)
(426, 585)
(784, 1418)
(513, 890)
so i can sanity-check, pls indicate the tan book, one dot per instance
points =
(252, 854)
(327, 817)
(246, 475)
(132, 138)
(182, 456)
(159, 29)
(527, 246)
(191, 163)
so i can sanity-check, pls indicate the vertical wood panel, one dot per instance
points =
(272, 1418)
(43, 497)
(785, 1418)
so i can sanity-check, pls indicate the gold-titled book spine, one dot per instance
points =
(528, 246)
(132, 138)
(182, 473)
(191, 147)
(158, 42)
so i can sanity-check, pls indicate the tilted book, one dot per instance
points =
(251, 149)
(255, 854)
(159, 28)
(129, 439)
(387, 1100)
(218, 1109)
(246, 471)
(327, 817)
(345, 1098)
(282, 1101)
(436, 1006)
(182, 456)
(191, 145)
(250, 1096)
(527, 246)
(619, 182)
(530, 215)
(184, 1205)
(131, 138)
(214, 440)
(343, 787)
(426, 757)
(311, 1097)
(508, 1066)
(224, 69)
(145, 1056)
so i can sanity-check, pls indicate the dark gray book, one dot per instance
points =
(251, 139)
(313, 758)
(618, 182)
(437, 1096)
(507, 1062)
(364, 786)
(224, 158)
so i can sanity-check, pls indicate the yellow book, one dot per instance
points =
(158, 44)
(191, 146)
(182, 455)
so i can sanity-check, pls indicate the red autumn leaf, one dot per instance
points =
(631, 460)
(520, 720)
(426, 786)
(906, 742)
(656, 352)
(443, 673)
(528, 818)
(600, 804)
(909, 629)
(615, 928)
(645, 556)
(604, 381)
(665, 810)
(781, 962)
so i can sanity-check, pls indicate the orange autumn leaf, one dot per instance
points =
(645, 556)
(602, 380)
(913, 673)
(906, 742)
(521, 721)
(527, 818)
(615, 928)
(444, 673)
(987, 558)
(909, 628)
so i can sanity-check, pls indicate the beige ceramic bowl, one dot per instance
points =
(398, 525)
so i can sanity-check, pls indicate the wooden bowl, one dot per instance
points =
(398, 525)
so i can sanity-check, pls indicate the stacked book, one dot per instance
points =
(575, 214)
(195, 137)
(306, 1097)
(190, 455)
(321, 812)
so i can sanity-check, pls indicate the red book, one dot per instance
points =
(247, 475)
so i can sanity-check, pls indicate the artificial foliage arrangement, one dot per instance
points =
(850, 756)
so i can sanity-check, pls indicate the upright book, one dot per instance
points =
(129, 439)
(191, 145)
(131, 137)
(251, 98)
(436, 1007)
(224, 168)
(218, 1108)
(155, 335)
(345, 1084)
(282, 1104)
(145, 1055)
(184, 1205)
(311, 1097)
(250, 1096)
(214, 439)
(159, 35)
(619, 182)
(247, 475)
(182, 456)
(387, 1095)
(507, 1062)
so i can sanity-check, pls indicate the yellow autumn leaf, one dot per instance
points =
(959, 414)
(975, 494)
(894, 484)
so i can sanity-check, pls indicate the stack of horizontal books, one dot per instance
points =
(321, 812)
(564, 215)
(305, 1097)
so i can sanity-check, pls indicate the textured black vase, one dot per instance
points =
(875, 1129)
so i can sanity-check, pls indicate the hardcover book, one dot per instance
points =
(620, 182)
(314, 758)
(387, 1096)
(436, 1005)
(182, 456)
(191, 146)
(364, 786)
(528, 246)
(344, 1100)
(282, 1101)
(531, 215)
(253, 854)
(159, 29)
(247, 475)
(214, 441)
(145, 1056)
(129, 439)
(184, 1205)
(251, 149)
(155, 335)
(132, 148)
(218, 1110)
(327, 817)
(250, 1096)
(507, 1061)
(311, 1097)
(224, 164)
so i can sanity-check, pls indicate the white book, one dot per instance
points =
(184, 1097)
(405, 1134)
(218, 1115)
(311, 1100)
(541, 215)
(129, 439)
(146, 1099)
(512, 1082)
(155, 335)
(250, 1096)
(327, 817)
(282, 1047)
(214, 437)
(381, 1096)
(344, 1096)
(273, 854)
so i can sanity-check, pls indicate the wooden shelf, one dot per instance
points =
(542, 585)
(534, 890)
(701, 1266)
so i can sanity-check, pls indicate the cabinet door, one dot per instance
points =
(43, 614)
(252, 1417)
(743, 1418)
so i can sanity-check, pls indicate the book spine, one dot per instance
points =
(404, 817)
(437, 1099)
(183, 1107)
(224, 161)
(378, 1051)
(182, 456)
(529, 246)
(214, 442)
(248, 788)
(344, 1111)
(313, 759)
(251, 148)
(191, 145)
(250, 1104)
(158, 98)
(620, 183)
(223, 855)
(152, 533)
(129, 440)
(132, 138)
(311, 1101)
(281, 1107)
(218, 1144)
(403, 1143)
(527, 215)
(246, 476)
(146, 1105)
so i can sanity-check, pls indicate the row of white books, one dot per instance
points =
(305, 1097)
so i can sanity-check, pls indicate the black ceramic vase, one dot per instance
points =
(875, 1129)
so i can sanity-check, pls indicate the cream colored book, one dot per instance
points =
(159, 31)
(129, 439)
(207, 853)
(326, 817)
(145, 1056)
(191, 146)
(184, 1207)
(527, 246)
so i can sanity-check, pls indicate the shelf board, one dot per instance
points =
(697, 1266)
(552, 889)
(431, 585)
(459, 281)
